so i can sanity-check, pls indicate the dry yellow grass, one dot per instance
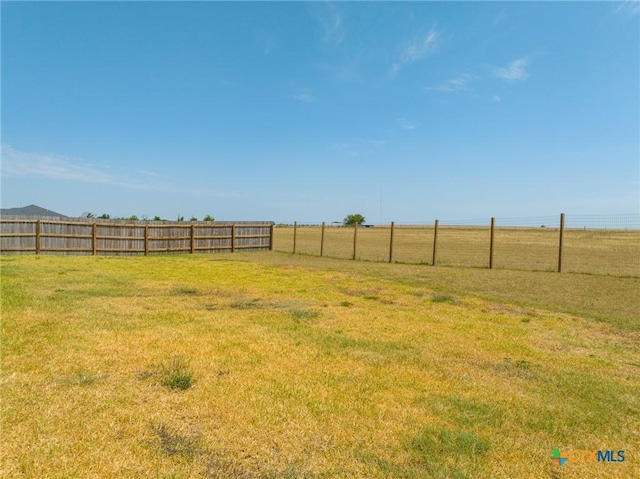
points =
(299, 371)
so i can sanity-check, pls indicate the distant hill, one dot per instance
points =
(31, 210)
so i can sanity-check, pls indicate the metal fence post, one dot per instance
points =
(561, 242)
(391, 243)
(493, 224)
(435, 242)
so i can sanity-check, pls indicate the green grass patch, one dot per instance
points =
(185, 290)
(443, 298)
(303, 314)
(448, 453)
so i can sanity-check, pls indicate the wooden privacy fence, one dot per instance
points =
(38, 236)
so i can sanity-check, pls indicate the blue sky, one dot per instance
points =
(310, 111)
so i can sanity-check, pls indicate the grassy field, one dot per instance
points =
(600, 252)
(268, 365)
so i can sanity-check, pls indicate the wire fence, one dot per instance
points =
(593, 244)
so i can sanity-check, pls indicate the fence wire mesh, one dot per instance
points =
(595, 244)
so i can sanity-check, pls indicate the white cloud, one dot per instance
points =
(416, 50)
(457, 84)
(516, 70)
(56, 167)
(628, 7)
(304, 95)
(406, 124)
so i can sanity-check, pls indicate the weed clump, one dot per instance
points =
(185, 290)
(444, 298)
(175, 374)
(302, 314)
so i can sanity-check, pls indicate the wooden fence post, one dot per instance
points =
(435, 242)
(38, 227)
(355, 240)
(295, 232)
(193, 239)
(391, 242)
(561, 242)
(146, 240)
(94, 239)
(322, 240)
(493, 224)
(271, 228)
(233, 238)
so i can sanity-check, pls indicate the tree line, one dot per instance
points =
(106, 216)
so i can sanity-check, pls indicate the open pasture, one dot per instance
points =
(268, 365)
(603, 252)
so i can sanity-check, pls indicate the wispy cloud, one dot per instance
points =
(457, 84)
(374, 142)
(628, 7)
(406, 124)
(416, 49)
(343, 73)
(57, 167)
(516, 70)
(344, 148)
(499, 18)
(331, 19)
(304, 95)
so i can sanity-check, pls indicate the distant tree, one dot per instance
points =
(208, 218)
(87, 214)
(193, 218)
(180, 218)
(133, 218)
(104, 216)
(157, 218)
(351, 220)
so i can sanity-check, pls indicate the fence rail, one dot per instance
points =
(90, 237)
(610, 245)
